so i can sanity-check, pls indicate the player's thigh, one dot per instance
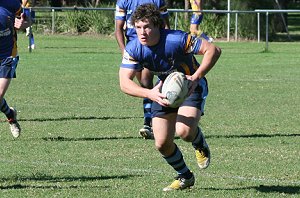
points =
(187, 121)
(8, 68)
(4, 84)
(164, 130)
(138, 76)
(146, 78)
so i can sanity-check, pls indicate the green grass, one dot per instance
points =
(80, 134)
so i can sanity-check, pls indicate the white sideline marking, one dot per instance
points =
(235, 177)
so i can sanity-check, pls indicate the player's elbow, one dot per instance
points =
(124, 89)
(124, 86)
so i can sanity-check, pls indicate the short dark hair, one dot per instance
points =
(147, 11)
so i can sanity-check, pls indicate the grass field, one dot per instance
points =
(80, 134)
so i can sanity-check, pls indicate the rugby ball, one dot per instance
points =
(176, 88)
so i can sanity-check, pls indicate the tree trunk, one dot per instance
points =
(55, 3)
(33, 3)
(281, 18)
(186, 7)
(97, 3)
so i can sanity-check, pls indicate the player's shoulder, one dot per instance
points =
(134, 46)
(127, 3)
(133, 42)
(4, 13)
(121, 3)
(173, 35)
(12, 6)
(158, 2)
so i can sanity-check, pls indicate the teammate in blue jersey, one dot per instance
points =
(196, 20)
(124, 29)
(11, 19)
(29, 13)
(163, 51)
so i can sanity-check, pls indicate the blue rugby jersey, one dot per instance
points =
(174, 52)
(9, 9)
(125, 8)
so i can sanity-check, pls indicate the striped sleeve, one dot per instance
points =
(164, 11)
(120, 14)
(129, 62)
(192, 44)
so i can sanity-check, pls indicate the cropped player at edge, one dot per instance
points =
(162, 52)
(124, 29)
(29, 13)
(11, 19)
(196, 20)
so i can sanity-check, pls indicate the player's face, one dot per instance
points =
(147, 33)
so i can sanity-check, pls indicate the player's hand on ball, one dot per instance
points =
(193, 82)
(175, 88)
(157, 96)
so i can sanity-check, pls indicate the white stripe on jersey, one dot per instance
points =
(127, 59)
(120, 12)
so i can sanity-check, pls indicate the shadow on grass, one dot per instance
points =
(45, 178)
(59, 138)
(21, 186)
(76, 118)
(279, 189)
(265, 189)
(253, 136)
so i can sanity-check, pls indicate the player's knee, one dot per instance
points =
(185, 133)
(2, 93)
(165, 148)
(146, 83)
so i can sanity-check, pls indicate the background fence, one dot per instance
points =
(231, 24)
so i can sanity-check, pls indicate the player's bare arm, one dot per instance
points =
(211, 54)
(166, 22)
(129, 87)
(22, 22)
(119, 34)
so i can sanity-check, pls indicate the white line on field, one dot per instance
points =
(130, 170)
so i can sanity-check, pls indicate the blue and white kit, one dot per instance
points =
(167, 56)
(125, 8)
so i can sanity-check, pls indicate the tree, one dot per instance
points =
(55, 3)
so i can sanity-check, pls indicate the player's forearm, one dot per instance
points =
(131, 88)
(119, 35)
(120, 40)
(166, 23)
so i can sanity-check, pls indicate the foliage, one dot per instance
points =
(247, 23)
(101, 22)
(76, 21)
(213, 24)
(182, 22)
